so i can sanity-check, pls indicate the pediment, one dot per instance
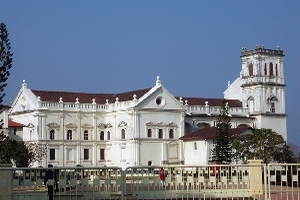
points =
(250, 98)
(161, 124)
(101, 126)
(272, 98)
(24, 102)
(108, 125)
(122, 124)
(150, 124)
(71, 125)
(86, 125)
(53, 125)
(30, 125)
(159, 98)
(172, 124)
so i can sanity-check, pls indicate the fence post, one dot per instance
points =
(6, 182)
(123, 191)
(255, 177)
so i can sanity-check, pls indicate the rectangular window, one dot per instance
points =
(52, 154)
(86, 154)
(271, 69)
(69, 155)
(195, 145)
(171, 133)
(265, 69)
(160, 133)
(102, 154)
(149, 133)
(15, 131)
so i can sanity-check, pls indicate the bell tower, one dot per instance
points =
(263, 87)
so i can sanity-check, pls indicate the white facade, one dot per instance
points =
(197, 150)
(143, 126)
(132, 132)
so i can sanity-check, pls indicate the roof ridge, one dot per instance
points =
(97, 93)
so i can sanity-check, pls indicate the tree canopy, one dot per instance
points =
(262, 144)
(5, 65)
(222, 152)
(5, 60)
(21, 153)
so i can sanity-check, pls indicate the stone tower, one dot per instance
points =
(263, 87)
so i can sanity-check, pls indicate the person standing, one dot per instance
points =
(162, 177)
(51, 179)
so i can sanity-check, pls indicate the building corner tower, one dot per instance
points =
(263, 87)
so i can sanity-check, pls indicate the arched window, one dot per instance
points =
(250, 68)
(272, 103)
(85, 135)
(171, 133)
(101, 135)
(69, 135)
(149, 133)
(251, 104)
(271, 69)
(52, 134)
(123, 134)
(272, 107)
(108, 135)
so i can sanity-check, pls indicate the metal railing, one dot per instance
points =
(255, 181)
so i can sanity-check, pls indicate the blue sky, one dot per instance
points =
(119, 46)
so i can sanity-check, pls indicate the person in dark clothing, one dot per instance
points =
(51, 179)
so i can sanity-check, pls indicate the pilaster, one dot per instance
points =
(62, 130)
(6, 180)
(255, 177)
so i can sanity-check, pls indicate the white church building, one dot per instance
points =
(143, 127)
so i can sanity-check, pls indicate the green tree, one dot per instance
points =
(262, 144)
(5, 149)
(21, 153)
(5, 65)
(222, 152)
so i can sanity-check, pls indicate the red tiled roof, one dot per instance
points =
(12, 123)
(210, 133)
(100, 98)
(211, 101)
(54, 96)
